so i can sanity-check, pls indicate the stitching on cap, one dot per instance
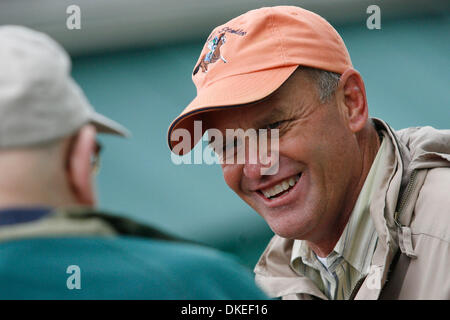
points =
(275, 29)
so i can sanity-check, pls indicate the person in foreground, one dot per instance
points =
(359, 210)
(53, 243)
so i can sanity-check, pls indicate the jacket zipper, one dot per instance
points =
(404, 197)
(356, 288)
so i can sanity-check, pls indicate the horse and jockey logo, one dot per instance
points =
(214, 53)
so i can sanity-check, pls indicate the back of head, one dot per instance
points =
(33, 175)
(47, 126)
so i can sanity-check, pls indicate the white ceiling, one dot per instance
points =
(117, 24)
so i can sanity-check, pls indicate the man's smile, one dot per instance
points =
(278, 193)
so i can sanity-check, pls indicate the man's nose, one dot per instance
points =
(256, 167)
(252, 171)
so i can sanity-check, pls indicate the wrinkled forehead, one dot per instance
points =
(256, 115)
(244, 117)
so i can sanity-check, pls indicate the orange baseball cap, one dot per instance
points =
(252, 55)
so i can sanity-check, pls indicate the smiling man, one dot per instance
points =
(352, 202)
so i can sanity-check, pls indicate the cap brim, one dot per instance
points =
(231, 92)
(106, 125)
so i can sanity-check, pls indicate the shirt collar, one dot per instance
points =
(11, 216)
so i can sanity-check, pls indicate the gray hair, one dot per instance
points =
(326, 82)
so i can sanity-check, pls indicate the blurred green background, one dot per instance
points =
(145, 84)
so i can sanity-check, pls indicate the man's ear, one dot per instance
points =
(79, 166)
(352, 100)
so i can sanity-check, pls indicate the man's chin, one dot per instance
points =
(289, 227)
(288, 231)
(285, 223)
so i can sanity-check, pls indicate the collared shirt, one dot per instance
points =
(337, 275)
(12, 216)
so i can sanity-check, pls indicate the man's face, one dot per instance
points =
(318, 160)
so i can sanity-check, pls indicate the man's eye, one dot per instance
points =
(275, 125)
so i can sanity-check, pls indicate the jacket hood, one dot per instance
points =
(428, 147)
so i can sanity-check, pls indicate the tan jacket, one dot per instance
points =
(411, 213)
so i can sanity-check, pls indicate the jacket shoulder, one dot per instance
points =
(426, 277)
(432, 209)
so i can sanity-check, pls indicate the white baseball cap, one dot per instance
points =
(39, 100)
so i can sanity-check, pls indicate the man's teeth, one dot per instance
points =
(281, 187)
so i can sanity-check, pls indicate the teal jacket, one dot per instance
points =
(108, 257)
